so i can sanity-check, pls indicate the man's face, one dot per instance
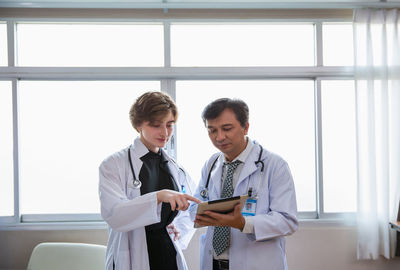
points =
(227, 134)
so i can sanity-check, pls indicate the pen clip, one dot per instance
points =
(250, 192)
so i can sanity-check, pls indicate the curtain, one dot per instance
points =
(377, 83)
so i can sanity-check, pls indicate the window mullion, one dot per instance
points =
(318, 149)
(169, 87)
(167, 44)
(11, 37)
(318, 122)
(12, 61)
(16, 151)
(318, 45)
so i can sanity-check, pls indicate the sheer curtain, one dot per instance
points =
(377, 63)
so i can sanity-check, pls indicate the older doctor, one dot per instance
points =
(244, 240)
(141, 190)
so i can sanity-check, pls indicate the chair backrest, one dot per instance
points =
(67, 256)
(398, 213)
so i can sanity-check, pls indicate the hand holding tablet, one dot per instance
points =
(222, 206)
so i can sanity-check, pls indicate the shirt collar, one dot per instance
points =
(245, 153)
(139, 147)
(142, 150)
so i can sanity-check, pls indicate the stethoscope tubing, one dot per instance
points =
(136, 182)
(204, 191)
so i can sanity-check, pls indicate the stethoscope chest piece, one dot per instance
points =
(204, 193)
(137, 183)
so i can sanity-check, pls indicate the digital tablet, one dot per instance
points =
(222, 206)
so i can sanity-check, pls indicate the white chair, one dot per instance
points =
(67, 256)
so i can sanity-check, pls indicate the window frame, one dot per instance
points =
(233, 4)
(167, 76)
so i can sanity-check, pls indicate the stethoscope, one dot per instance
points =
(204, 191)
(137, 183)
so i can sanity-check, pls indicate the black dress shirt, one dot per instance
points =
(155, 176)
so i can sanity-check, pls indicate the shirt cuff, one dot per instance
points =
(159, 207)
(248, 225)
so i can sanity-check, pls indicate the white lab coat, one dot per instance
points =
(275, 213)
(127, 212)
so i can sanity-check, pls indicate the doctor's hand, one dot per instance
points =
(233, 219)
(177, 200)
(173, 230)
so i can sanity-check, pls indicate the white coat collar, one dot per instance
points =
(139, 148)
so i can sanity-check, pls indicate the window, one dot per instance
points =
(242, 45)
(6, 153)
(3, 44)
(339, 146)
(338, 53)
(66, 130)
(92, 45)
(76, 80)
(282, 125)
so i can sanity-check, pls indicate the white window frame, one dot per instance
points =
(207, 4)
(167, 76)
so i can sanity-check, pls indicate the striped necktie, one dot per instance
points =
(221, 237)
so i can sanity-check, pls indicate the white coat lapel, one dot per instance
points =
(216, 176)
(249, 166)
(138, 150)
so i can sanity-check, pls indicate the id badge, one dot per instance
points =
(249, 208)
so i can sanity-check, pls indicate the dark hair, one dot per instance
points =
(151, 106)
(215, 108)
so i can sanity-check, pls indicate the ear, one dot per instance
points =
(139, 129)
(246, 128)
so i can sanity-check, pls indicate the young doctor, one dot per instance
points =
(141, 190)
(252, 238)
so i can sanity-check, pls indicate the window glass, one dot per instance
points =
(338, 44)
(242, 45)
(281, 119)
(90, 45)
(67, 128)
(339, 146)
(3, 44)
(6, 152)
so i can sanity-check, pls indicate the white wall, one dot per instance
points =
(310, 248)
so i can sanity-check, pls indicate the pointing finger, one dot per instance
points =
(191, 198)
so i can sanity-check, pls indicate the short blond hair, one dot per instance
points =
(151, 106)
